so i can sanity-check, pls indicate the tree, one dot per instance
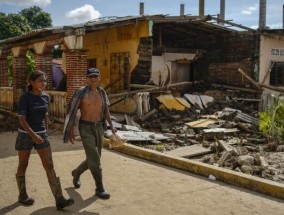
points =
(12, 25)
(36, 17)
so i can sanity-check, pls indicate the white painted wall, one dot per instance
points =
(166, 67)
(159, 70)
(271, 49)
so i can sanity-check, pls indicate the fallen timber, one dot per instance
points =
(150, 89)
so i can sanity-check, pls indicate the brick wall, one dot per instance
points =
(3, 73)
(227, 73)
(3, 69)
(19, 78)
(220, 64)
(43, 62)
(76, 66)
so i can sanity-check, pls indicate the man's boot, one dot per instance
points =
(77, 172)
(61, 202)
(23, 196)
(100, 191)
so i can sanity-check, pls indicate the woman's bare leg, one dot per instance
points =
(24, 156)
(46, 159)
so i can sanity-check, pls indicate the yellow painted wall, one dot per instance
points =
(114, 40)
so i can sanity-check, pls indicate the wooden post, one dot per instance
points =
(250, 79)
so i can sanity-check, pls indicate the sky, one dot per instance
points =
(69, 12)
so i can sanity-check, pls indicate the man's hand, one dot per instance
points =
(113, 129)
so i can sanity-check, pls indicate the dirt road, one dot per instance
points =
(136, 187)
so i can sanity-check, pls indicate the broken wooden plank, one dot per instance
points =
(250, 79)
(189, 151)
(151, 89)
(237, 88)
(245, 99)
(142, 86)
(271, 64)
(224, 157)
(147, 115)
(242, 127)
(277, 89)
(224, 145)
(119, 78)
(201, 123)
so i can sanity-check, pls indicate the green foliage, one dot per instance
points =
(271, 122)
(10, 69)
(13, 25)
(36, 17)
(30, 62)
(159, 148)
(30, 65)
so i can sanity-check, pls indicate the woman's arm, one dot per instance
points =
(35, 137)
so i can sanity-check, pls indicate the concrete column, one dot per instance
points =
(182, 10)
(283, 17)
(201, 8)
(141, 8)
(262, 14)
(222, 11)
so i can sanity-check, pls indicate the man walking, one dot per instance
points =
(93, 103)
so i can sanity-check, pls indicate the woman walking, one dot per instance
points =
(32, 133)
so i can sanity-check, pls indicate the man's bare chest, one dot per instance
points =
(94, 99)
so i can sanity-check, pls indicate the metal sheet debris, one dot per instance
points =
(138, 135)
(171, 102)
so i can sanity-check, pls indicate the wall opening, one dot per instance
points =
(277, 74)
(118, 71)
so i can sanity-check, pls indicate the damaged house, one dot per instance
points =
(153, 55)
(156, 50)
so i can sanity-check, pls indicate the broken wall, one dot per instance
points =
(171, 68)
(219, 54)
(220, 64)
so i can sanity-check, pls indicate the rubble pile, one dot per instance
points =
(224, 134)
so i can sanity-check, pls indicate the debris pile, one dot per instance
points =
(221, 129)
